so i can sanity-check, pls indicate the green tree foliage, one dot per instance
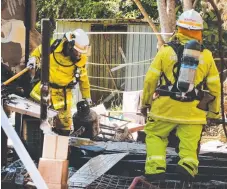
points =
(92, 9)
(210, 34)
(104, 9)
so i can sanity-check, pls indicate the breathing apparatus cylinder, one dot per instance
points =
(189, 64)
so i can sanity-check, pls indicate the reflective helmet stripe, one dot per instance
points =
(190, 23)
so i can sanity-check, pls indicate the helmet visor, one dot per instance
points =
(82, 49)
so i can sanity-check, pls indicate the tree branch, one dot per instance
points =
(187, 5)
(171, 14)
(152, 25)
(221, 54)
(195, 3)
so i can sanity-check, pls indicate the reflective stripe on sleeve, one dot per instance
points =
(154, 70)
(213, 78)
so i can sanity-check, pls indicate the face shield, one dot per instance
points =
(75, 55)
(70, 51)
(78, 44)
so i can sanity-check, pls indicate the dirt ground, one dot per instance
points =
(213, 133)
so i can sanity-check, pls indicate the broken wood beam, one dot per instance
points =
(135, 129)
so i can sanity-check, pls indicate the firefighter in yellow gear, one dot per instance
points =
(67, 68)
(168, 113)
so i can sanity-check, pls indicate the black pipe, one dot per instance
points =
(27, 23)
(45, 69)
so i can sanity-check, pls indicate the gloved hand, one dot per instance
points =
(89, 101)
(31, 62)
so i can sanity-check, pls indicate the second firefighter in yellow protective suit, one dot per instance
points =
(167, 113)
(67, 68)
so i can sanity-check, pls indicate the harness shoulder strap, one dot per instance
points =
(178, 49)
(55, 44)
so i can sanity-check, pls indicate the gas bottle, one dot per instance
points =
(189, 64)
(86, 118)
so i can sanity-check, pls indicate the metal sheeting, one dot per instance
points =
(129, 147)
(66, 26)
(139, 48)
(94, 168)
(140, 148)
(212, 173)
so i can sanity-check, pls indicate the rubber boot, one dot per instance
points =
(185, 177)
(61, 132)
(155, 177)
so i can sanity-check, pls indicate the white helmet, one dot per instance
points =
(80, 38)
(191, 20)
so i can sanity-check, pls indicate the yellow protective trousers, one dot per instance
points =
(63, 120)
(157, 141)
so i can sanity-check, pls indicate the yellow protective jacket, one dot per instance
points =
(166, 109)
(62, 75)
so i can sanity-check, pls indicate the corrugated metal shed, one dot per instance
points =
(111, 50)
(107, 21)
(140, 48)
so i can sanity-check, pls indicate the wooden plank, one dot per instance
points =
(54, 171)
(57, 186)
(62, 147)
(135, 129)
(49, 146)
(55, 147)
(24, 106)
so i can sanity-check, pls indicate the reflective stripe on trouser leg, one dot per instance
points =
(189, 136)
(156, 143)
